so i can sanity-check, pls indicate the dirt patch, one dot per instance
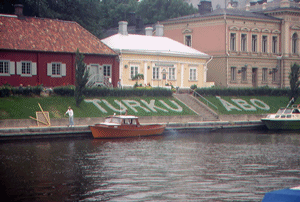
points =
(55, 113)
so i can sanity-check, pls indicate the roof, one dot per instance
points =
(141, 44)
(227, 12)
(49, 35)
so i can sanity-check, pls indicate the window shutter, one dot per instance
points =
(34, 71)
(19, 68)
(12, 69)
(63, 70)
(49, 69)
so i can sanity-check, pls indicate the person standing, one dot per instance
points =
(71, 116)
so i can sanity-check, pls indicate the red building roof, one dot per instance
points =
(48, 35)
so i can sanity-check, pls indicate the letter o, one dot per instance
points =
(264, 105)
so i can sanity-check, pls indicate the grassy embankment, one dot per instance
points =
(19, 107)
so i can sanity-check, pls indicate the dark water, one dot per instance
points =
(177, 167)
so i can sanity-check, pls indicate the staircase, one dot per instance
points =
(197, 106)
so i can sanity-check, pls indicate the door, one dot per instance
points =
(96, 72)
(254, 77)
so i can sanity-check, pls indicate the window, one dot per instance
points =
(254, 43)
(232, 41)
(133, 71)
(155, 73)
(244, 73)
(56, 69)
(274, 44)
(264, 44)
(106, 70)
(233, 73)
(273, 75)
(264, 74)
(294, 43)
(244, 42)
(171, 73)
(193, 74)
(188, 40)
(26, 68)
(4, 67)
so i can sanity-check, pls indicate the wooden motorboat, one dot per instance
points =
(121, 126)
(286, 118)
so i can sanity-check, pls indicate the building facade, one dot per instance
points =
(161, 61)
(251, 47)
(35, 51)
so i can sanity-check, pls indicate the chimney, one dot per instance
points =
(123, 27)
(149, 31)
(159, 30)
(204, 7)
(19, 10)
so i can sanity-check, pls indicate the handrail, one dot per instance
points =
(207, 101)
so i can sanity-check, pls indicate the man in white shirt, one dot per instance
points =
(71, 117)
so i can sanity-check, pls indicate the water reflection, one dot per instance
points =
(177, 167)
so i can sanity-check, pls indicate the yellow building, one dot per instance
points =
(161, 60)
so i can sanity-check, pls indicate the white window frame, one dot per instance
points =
(23, 64)
(155, 73)
(10, 68)
(134, 70)
(55, 75)
(188, 40)
(193, 74)
(172, 73)
(107, 70)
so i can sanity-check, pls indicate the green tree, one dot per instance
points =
(138, 77)
(152, 11)
(81, 77)
(294, 81)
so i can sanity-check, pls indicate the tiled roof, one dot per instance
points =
(48, 35)
(158, 45)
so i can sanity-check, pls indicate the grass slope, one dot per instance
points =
(19, 107)
(274, 102)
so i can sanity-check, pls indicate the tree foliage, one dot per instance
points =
(98, 15)
(81, 77)
(294, 81)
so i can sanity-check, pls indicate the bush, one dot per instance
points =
(64, 90)
(259, 91)
(7, 90)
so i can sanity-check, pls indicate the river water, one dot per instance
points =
(212, 166)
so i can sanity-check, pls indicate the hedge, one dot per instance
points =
(7, 90)
(258, 91)
(116, 92)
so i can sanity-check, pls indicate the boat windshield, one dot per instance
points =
(112, 120)
(280, 111)
(288, 111)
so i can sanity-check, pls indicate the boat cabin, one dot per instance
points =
(121, 120)
(287, 112)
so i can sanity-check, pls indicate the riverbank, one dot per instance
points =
(28, 129)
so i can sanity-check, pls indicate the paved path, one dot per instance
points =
(198, 107)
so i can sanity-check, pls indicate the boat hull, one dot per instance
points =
(123, 131)
(277, 124)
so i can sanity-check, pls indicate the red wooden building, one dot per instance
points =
(37, 51)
